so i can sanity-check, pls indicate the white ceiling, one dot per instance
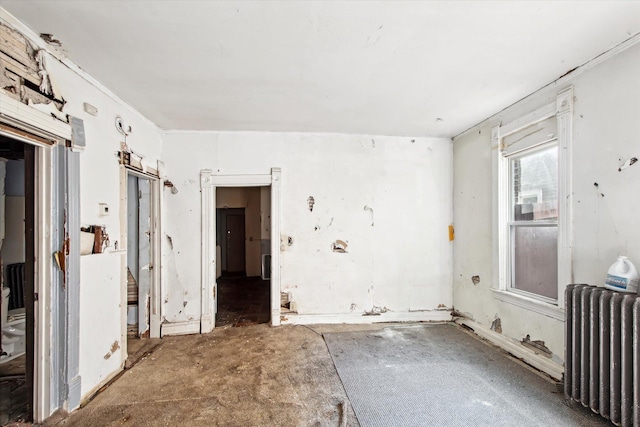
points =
(390, 68)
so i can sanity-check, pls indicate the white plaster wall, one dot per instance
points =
(99, 319)
(606, 132)
(399, 258)
(101, 315)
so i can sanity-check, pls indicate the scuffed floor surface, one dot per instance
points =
(14, 395)
(263, 376)
(440, 375)
(250, 376)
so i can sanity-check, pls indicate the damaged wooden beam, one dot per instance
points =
(23, 74)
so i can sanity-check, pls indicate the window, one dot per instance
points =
(533, 226)
(533, 207)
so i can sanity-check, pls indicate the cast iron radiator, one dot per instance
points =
(602, 353)
(15, 282)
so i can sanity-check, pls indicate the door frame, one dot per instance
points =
(56, 377)
(208, 185)
(155, 189)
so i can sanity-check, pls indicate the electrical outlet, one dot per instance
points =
(103, 209)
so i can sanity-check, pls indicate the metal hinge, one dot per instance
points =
(35, 296)
(214, 292)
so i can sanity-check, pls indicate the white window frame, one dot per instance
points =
(563, 110)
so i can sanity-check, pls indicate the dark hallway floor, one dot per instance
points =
(242, 301)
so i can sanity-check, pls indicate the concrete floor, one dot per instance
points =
(235, 376)
(244, 376)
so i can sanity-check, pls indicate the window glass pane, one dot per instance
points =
(535, 263)
(534, 185)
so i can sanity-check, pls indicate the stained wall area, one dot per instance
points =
(604, 202)
(387, 198)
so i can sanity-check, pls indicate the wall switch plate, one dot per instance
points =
(103, 209)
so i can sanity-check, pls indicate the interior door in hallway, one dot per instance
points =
(235, 236)
(145, 265)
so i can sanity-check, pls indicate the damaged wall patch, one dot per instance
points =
(339, 246)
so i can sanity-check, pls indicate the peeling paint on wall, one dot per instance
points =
(370, 210)
(536, 345)
(339, 246)
(628, 163)
(496, 325)
(375, 311)
(114, 347)
(475, 279)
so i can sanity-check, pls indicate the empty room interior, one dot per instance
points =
(314, 213)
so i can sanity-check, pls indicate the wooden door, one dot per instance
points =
(235, 243)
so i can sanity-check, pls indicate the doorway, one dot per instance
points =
(140, 253)
(242, 238)
(17, 245)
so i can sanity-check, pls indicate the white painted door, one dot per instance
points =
(145, 265)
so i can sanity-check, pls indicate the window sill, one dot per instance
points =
(530, 304)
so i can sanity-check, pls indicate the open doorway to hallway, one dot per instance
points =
(141, 193)
(243, 246)
(17, 245)
(139, 255)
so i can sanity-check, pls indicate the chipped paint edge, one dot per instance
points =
(539, 362)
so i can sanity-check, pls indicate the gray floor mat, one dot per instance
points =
(424, 375)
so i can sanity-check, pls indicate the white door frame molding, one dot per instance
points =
(56, 313)
(208, 184)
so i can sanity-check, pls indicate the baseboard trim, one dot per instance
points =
(180, 328)
(358, 318)
(530, 357)
(206, 323)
